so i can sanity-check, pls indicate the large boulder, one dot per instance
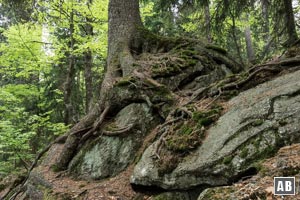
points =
(258, 122)
(108, 155)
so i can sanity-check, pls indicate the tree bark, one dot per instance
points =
(290, 23)
(207, 20)
(249, 45)
(266, 24)
(88, 79)
(235, 38)
(88, 59)
(248, 39)
(69, 108)
(124, 22)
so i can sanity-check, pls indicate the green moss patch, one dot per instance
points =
(206, 118)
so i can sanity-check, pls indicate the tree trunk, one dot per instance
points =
(207, 21)
(88, 59)
(290, 23)
(266, 28)
(248, 39)
(235, 38)
(266, 24)
(249, 45)
(124, 22)
(69, 108)
(88, 79)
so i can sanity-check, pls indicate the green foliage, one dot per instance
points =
(21, 125)
(33, 59)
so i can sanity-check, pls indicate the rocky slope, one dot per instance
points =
(181, 132)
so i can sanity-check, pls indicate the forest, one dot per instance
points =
(67, 68)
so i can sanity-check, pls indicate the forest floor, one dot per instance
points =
(64, 186)
(285, 163)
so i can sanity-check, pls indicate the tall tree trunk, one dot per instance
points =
(207, 20)
(69, 107)
(124, 22)
(88, 79)
(290, 22)
(88, 59)
(249, 45)
(266, 24)
(248, 39)
(235, 38)
(266, 28)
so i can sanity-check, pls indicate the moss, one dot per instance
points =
(206, 118)
(48, 195)
(256, 143)
(111, 126)
(55, 168)
(185, 130)
(2, 187)
(269, 151)
(230, 94)
(257, 122)
(244, 153)
(182, 143)
(161, 94)
(290, 171)
(227, 159)
(216, 48)
(264, 171)
(180, 60)
(125, 81)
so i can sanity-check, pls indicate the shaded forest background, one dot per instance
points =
(53, 56)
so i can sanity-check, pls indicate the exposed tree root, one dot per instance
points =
(163, 131)
(237, 81)
(96, 125)
(120, 131)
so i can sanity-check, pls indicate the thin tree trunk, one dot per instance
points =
(290, 22)
(88, 59)
(69, 107)
(207, 21)
(249, 44)
(88, 79)
(266, 24)
(266, 28)
(233, 27)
